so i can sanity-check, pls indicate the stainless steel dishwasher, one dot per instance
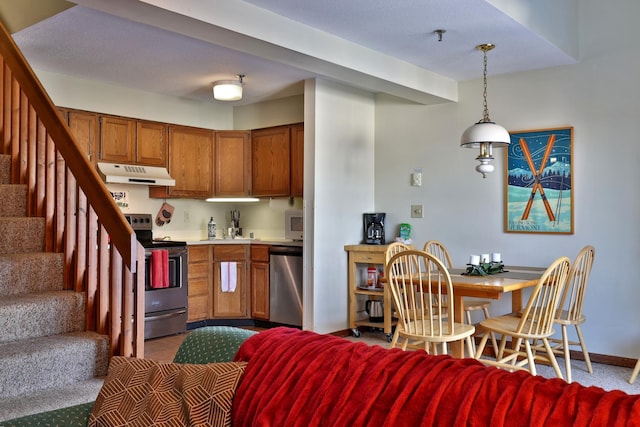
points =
(285, 285)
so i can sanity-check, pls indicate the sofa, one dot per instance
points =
(300, 378)
(212, 344)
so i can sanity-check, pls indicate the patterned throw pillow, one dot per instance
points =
(138, 392)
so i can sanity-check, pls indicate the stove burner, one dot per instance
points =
(142, 224)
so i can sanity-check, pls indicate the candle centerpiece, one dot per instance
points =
(484, 265)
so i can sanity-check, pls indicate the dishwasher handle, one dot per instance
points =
(285, 250)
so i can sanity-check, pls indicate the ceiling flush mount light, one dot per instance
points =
(228, 90)
(485, 134)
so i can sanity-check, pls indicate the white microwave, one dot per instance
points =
(293, 224)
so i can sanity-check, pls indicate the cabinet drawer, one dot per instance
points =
(260, 253)
(229, 252)
(369, 257)
(198, 253)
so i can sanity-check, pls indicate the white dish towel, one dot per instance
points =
(228, 274)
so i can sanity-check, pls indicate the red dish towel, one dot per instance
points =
(159, 271)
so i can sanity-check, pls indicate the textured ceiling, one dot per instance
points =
(179, 48)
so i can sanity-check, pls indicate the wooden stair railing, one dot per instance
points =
(102, 257)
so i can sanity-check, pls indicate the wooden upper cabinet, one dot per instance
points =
(190, 163)
(297, 160)
(86, 129)
(232, 160)
(270, 161)
(152, 147)
(117, 140)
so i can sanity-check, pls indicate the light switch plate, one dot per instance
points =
(416, 179)
(416, 211)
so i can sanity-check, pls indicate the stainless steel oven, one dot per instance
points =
(166, 304)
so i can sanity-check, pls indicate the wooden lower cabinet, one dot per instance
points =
(200, 289)
(207, 298)
(260, 282)
(229, 299)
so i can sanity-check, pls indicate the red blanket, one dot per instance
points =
(298, 378)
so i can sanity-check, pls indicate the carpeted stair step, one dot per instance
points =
(50, 399)
(40, 314)
(5, 169)
(54, 361)
(14, 200)
(33, 272)
(21, 235)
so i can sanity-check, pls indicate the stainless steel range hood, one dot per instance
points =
(115, 173)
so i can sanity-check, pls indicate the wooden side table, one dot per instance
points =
(372, 256)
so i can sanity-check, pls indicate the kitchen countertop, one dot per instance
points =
(267, 241)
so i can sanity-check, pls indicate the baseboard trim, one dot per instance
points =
(605, 359)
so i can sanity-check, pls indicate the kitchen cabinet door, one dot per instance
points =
(297, 160)
(270, 161)
(190, 164)
(151, 143)
(199, 273)
(260, 282)
(230, 268)
(232, 159)
(117, 140)
(86, 129)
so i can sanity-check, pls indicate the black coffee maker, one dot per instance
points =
(373, 228)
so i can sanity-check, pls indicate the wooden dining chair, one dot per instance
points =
(570, 311)
(393, 248)
(635, 372)
(436, 248)
(415, 279)
(533, 328)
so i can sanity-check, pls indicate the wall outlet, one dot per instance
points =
(187, 218)
(416, 211)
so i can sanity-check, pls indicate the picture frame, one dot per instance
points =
(539, 182)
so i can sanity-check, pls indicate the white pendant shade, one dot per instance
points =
(227, 90)
(485, 132)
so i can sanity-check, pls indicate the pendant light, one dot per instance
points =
(228, 90)
(485, 134)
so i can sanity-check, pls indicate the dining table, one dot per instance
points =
(513, 279)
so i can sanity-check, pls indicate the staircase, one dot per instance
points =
(47, 359)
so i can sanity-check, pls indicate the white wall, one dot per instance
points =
(599, 98)
(343, 188)
(71, 92)
(281, 111)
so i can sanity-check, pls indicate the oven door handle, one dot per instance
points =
(165, 316)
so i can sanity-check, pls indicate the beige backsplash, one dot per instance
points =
(190, 217)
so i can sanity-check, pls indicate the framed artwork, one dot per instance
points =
(539, 182)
